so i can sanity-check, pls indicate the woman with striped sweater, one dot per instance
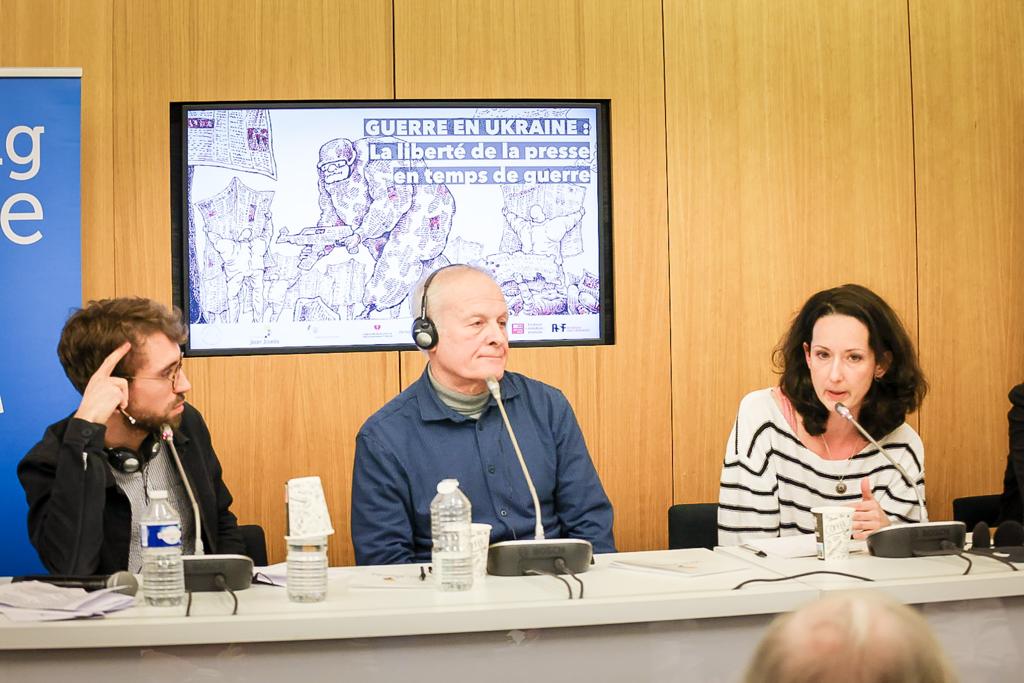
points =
(790, 451)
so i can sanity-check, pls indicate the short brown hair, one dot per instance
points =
(93, 332)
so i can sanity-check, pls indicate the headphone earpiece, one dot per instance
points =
(127, 460)
(424, 331)
(424, 334)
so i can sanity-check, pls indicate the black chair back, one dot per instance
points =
(693, 525)
(255, 543)
(973, 509)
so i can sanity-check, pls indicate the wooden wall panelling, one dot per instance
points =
(968, 61)
(44, 33)
(606, 49)
(789, 170)
(273, 417)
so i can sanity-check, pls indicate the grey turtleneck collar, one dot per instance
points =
(467, 405)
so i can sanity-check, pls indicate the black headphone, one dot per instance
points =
(424, 331)
(128, 461)
(1008, 540)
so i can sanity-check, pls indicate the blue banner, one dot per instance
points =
(40, 278)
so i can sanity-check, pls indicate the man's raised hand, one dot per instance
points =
(104, 393)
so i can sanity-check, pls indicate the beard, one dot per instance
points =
(152, 422)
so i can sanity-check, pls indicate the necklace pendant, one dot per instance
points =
(841, 487)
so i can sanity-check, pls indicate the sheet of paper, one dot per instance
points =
(37, 601)
(704, 566)
(384, 578)
(797, 545)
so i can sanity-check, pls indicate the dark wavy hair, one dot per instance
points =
(93, 332)
(898, 392)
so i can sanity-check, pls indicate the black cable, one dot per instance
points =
(223, 585)
(1009, 564)
(799, 576)
(560, 564)
(948, 548)
(538, 572)
(966, 559)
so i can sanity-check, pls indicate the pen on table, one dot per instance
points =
(756, 551)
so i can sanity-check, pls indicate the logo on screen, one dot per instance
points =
(518, 328)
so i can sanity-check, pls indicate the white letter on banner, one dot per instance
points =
(1, 405)
(6, 217)
(31, 158)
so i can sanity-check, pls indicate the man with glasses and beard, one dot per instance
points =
(87, 481)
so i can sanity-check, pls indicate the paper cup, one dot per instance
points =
(833, 526)
(481, 541)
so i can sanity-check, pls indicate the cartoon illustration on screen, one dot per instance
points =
(403, 226)
(315, 225)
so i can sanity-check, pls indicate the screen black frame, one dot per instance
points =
(180, 276)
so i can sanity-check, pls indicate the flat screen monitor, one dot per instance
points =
(306, 226)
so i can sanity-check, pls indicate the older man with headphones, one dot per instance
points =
(447, 425)
(87, 481)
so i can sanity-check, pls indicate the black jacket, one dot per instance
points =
(1010, 506)
(79, 520)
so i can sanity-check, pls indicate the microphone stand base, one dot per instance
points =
(201, 572)
(516, 558)
(912, 540)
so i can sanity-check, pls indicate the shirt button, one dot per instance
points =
(504, 513)
(490, 469)
(87, 431)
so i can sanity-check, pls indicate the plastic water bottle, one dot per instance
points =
(307, 569)
(451, 517)
(163, 574)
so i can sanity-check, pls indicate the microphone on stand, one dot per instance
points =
(845, 413)
(543, 556)
(207, 572)
(909, 540)
(495, 389)
(167, 434)
(125, 582)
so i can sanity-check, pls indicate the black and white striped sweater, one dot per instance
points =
(770, 481)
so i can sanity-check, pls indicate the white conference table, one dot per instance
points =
(630, 626)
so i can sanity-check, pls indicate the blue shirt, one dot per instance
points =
(413, 442)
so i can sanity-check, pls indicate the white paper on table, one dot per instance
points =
(277, 574)
(38, 601)
(703, 566)
(106, 600)
(274, 574)
(797, 545)
(391, 579)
